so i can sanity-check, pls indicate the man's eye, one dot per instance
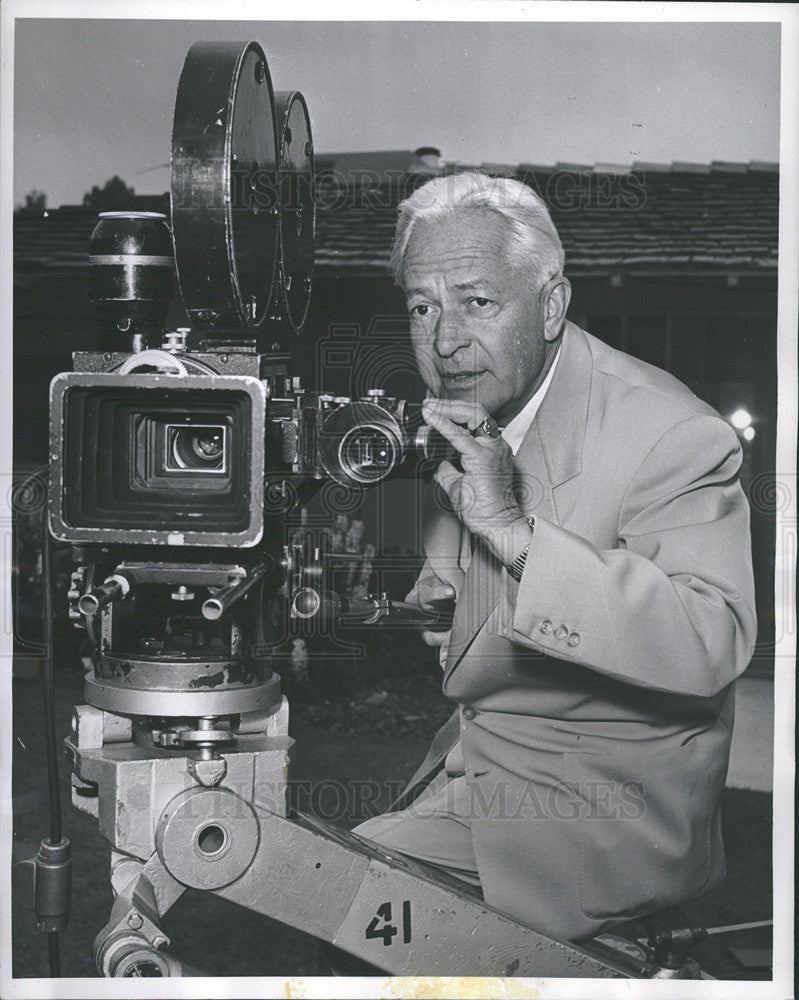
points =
(420, 310)
(478, 300)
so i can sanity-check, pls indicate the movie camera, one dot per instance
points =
(172, 470)
(176, 457)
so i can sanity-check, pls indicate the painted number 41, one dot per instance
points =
(382, 925)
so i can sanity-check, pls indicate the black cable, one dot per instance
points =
(51, 739)
(54, 951)
(50, 735)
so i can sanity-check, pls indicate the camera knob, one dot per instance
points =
(77, 585)
(182, 594)
(176, 340)
(375, 393)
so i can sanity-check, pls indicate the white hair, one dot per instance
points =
(534, 243)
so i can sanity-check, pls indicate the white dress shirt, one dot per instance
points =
(515, 431)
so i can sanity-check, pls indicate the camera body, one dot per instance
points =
(186, 448)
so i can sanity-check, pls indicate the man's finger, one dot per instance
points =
(434, 638)
(469, 415)
(448, 477)
(457, 436)
(460, 495)
(425, 593)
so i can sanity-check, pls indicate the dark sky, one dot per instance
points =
(95, 98)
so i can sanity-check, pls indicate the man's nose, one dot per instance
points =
(450, 335)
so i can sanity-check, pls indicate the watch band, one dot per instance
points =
(516, 568)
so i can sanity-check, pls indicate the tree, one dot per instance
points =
(35, 201)
(115, 195)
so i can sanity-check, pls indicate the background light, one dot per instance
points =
(748, 433)
(741, 419)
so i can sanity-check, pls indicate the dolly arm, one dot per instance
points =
(227, 833)
(396, 914)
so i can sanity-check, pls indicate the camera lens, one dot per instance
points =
(368, 454)
(200, 449)
(208, 446)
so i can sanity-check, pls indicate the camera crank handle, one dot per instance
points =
(434, 615)
(309, 603)
(376, 609)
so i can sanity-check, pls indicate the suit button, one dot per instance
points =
(561, 632)
(545, 626)
(469, 713)
(574, 639)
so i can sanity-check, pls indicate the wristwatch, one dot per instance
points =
(516, 568)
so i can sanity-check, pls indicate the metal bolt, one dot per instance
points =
(134, 920)
(207, 770)
(182, 594)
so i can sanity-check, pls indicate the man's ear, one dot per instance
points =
(555, 296)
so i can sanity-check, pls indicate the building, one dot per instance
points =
(674, 263)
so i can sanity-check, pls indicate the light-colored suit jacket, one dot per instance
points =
(596, 695)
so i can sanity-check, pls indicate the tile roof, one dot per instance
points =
(648, 218)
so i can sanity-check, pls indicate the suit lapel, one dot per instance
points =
(560, 423)
(549, 456)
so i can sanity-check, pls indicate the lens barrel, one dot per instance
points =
(131, 277)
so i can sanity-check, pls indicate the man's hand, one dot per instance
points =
(482, 495)
(426, 591)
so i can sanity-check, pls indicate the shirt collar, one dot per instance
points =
(515, 431)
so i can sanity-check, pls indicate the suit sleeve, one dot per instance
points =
(671, 607)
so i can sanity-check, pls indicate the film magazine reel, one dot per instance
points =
(243, 214)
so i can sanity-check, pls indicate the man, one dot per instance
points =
(599, 552)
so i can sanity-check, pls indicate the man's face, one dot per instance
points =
(477, 321)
